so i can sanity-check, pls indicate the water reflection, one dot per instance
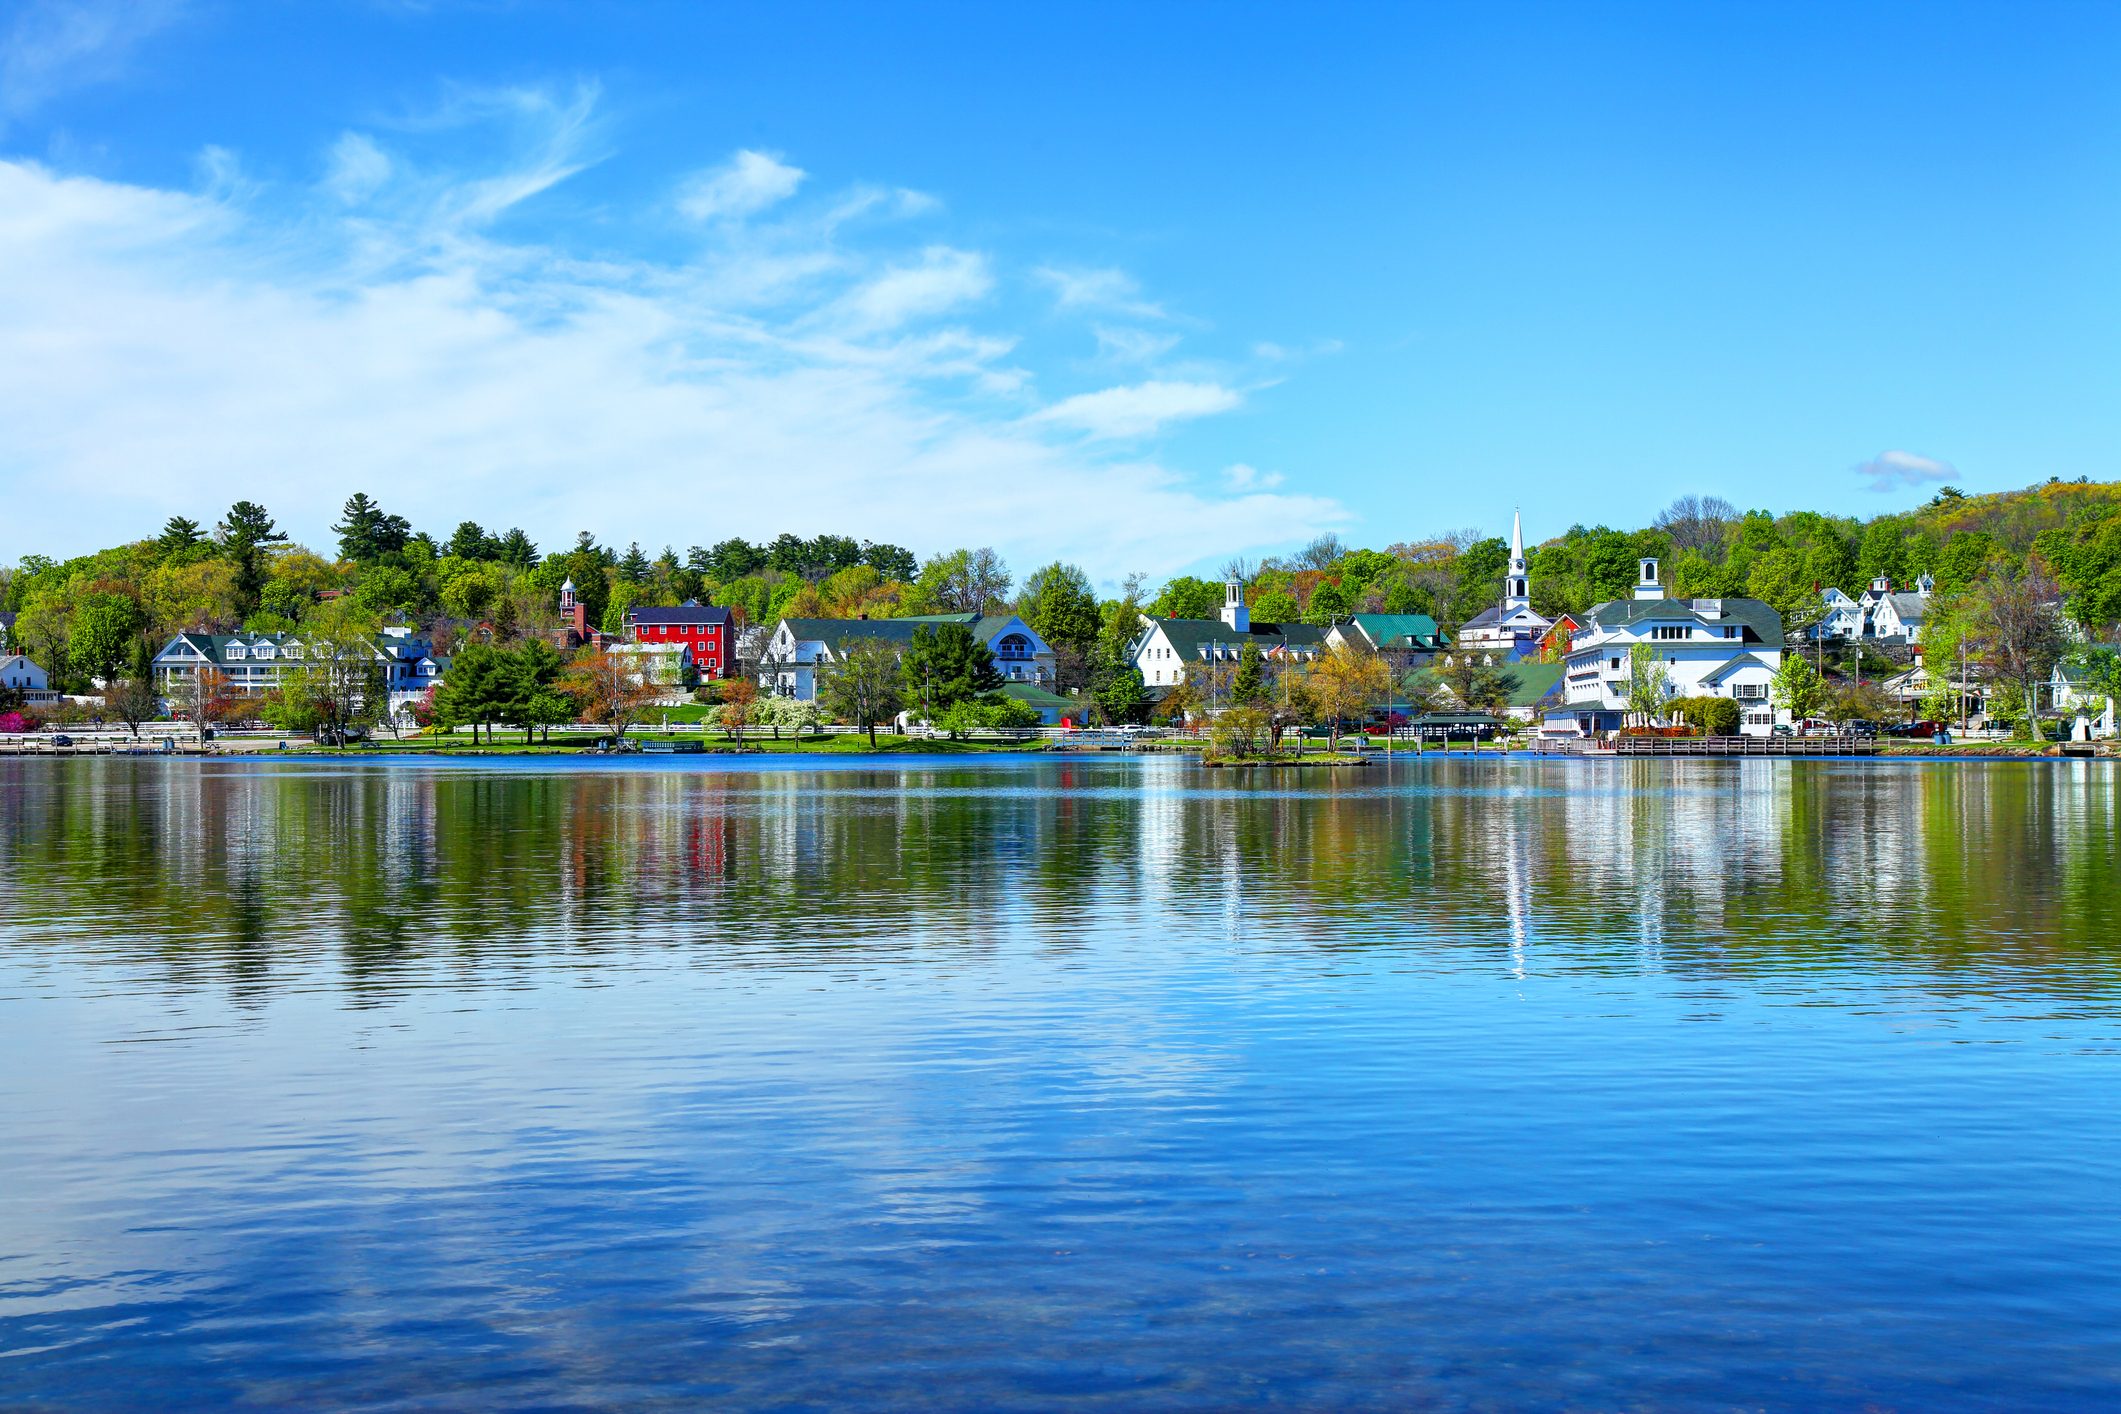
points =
(407, 876)
(1469, 1084)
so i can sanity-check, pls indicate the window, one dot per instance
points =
(1613, 664)
(1669, 631)
(1730, 630)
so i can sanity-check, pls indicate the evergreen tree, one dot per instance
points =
(368, 533)
(247, 536)
(515, 548)
(1250, 681)
(945, 665)
(178, 534)
(471, 542)
(634, 568)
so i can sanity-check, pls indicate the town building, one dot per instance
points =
(1165, 648)
(1413, 639)
(707, 630)
(799, 650)
(256, 663)
(667, 667)
(1512, 627)
(19, 675)
(1707, 647)
(1880, 614)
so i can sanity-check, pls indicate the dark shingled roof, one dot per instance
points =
(1191, 637)
(682, 614)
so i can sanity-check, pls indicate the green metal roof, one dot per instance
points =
(1031, 694)
(1399, 630)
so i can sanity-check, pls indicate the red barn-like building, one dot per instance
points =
(706, 628)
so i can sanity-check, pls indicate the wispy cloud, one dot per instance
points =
(1129, 345)
(1139, 410)
(939, 281)
(1110, 290)
(168, 352)
(743, 186)
(54, 46)
(1241, 477)
(1890, 471)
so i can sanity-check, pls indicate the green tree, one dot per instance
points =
(865, 687)
(471, 542)
(100, 636)
(1328, 603)
(1649, 682)
(476, 692)
(1277, 606)
(366, 532)
(1249, 682)
(1798, 689)
(1479, 685)
(178, 535)
(944, 665)
(247, 537)
(516, 550)
(1187, 597)
(1060, 608)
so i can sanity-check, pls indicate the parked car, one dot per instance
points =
(1918, 730)
(62, 739)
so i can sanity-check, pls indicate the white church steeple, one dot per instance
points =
(1517, 588)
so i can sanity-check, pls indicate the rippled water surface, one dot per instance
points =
(1001, 1083)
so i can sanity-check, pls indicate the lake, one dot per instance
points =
(977, 1083)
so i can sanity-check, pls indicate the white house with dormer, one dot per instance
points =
(1880, 612)
(1707, 648)
(1164, 649)
(1514, 623)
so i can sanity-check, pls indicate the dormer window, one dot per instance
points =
(235, 650)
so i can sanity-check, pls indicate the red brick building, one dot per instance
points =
(706, 628)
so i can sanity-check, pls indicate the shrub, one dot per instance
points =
(1237, 731)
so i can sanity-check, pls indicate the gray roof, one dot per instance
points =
(1763, 626)
(1910, 607)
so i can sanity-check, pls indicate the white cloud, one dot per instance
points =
(1139, 410)
(1113, 290)
(1127, 345)
(1892, 470)
(358, 168)
(1240, 477)
(941, 280)
(167, 353)
(57, 45)
(743, 186)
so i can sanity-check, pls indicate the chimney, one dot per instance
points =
(1235, 615)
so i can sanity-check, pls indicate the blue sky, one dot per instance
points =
(1137, 286)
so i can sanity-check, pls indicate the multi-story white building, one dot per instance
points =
(1707, 648)
(255, 663)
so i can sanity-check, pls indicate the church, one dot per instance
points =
(1512, 624)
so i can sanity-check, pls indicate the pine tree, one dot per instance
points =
(945, 665)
